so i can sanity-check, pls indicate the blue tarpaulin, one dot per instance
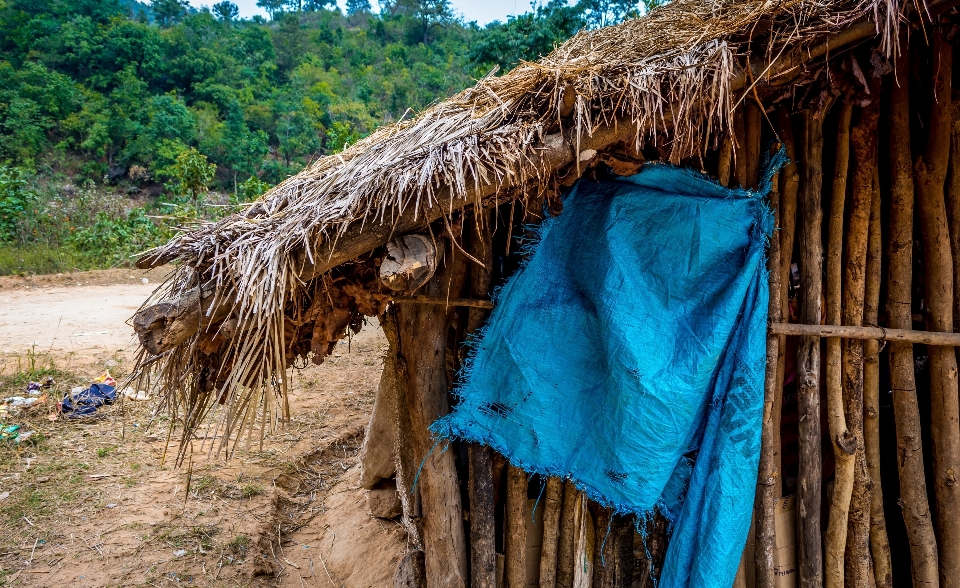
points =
(628, 354)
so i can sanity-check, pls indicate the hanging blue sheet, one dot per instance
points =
(628, 356)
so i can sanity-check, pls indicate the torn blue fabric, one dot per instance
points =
(628, 356)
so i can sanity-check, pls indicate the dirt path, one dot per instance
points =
(99, 503)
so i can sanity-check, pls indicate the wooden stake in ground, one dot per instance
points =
(483, 555)
(930, 171)
(844, 446)
(863, 140)
(515, 544)
(810, 558)
(879, 542)
(423, 344)
(913, 487)
(769, 474)
(752, 121)
(953, 208)
(739, 178)
(552, 504)
(567, 540)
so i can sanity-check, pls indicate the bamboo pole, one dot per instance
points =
(835, 538)
(483, 555)
(859, 565)
(913, 487)
(515, 543)
(879, 542)
(552, 501)
(930, 170)
(769, 473)
(810, 557)
(566, 543)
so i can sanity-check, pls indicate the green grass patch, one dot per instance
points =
(44, 259)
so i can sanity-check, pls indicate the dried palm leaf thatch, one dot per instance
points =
(669, 75)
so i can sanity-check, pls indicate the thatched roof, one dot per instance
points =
(673, 76)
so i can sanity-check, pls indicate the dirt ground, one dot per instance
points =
(100, 503)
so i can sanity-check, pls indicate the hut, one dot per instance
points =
(420, 222)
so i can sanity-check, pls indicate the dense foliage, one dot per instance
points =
(123, 95)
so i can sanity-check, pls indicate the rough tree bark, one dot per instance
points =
(835, 538)
(739, 149)
(879, 542)
(483, 555)
(565, 549)
(930, 170)
(423, 343)
(552, 501)
(810, 558)
(515, 543)
(859, 565)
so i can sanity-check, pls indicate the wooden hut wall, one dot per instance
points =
(861, 425)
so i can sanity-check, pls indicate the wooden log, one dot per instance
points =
(879, 333)
(835, 538)
(879, 541)
(930, 170)
(809, 552)
(584, 546)
(953, 207)
(623, 551)
(739, 149)
(423, 343)
(515, 541)
(567, 539)
(468, 302)
(725, 154)
(378, 454)
(769, 472)
(753, 125)
(480, 488)
(604, 564)
(410, 572)
(913, 487)
(410, 261)
(552, 505)
(863, 140)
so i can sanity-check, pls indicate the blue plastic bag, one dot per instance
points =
(86, 403)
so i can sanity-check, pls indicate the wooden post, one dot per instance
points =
(810, 558)
(769, 471)
(423, 344)
(483, 555)
(739, 149)
(879, 542)
(515, 542)
(930, 170)
(753, 121)
(552, 503)
(913, 487)
(725, 153)
(953, 208)
(567, 539)
(844, 446)
(863, 139)
(604, 564)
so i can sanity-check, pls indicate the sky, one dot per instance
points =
(482, 11)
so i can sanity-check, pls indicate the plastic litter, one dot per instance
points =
(138, 395)
(36, 388)
(86, 402)
(180, 553)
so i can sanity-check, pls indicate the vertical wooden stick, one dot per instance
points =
(723, 166)
(835, 539)
(752, 127)
(423, 344)
(810, 558)
(859, 565)
(913, 487)
(568, 532)
(552, 502)
(930, 170)
(515, 544)
(604, 564)
(953, 208)
(769, 474)
(739, 149)
(879, 542)
(483, 555)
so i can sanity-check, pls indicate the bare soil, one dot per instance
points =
(100, 503)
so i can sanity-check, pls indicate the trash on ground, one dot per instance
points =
(36, 388)
(138, 395)
(13, 433)
(86, 402)
(180, 553)
(4, 496)
(105, 378)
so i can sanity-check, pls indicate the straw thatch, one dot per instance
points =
(672, 77)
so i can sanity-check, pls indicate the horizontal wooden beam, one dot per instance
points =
(473, 303)
(875, 333)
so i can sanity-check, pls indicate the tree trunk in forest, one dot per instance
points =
(859, 565)
(423, 344)
(810, 557)
(835, 538)
(515, 543)
(552, 504)
(879, 542)
(930, 171)
(566, 544)
(483, 555)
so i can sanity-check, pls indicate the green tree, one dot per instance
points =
(168, 12)
(528, 36)
(355, 6)
(603, 13)
(193, 175)
(226, 11)
(244, 150)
